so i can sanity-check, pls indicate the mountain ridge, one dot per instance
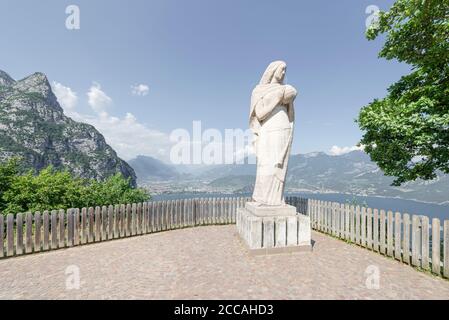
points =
(318, 172)
(34, 127)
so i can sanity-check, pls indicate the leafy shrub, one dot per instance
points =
(52, 189)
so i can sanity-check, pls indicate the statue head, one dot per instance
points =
(275, 73)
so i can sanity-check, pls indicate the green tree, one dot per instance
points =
(8, 172)
(407, 132)
(51, 189)
(113, 190)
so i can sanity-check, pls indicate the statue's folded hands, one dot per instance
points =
(289, 94)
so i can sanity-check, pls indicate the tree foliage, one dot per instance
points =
(8, 172)
(407, 132)
(51, 189)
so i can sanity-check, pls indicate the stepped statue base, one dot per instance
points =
(273, 229)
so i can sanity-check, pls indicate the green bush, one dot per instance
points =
(52, 189)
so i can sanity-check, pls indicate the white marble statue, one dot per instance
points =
(272, 120)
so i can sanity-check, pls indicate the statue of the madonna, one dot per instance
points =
(272, 121)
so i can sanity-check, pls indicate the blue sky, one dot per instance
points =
(200, 60)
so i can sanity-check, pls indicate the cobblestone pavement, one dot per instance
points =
(211, 263)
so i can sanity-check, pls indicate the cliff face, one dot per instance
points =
(33, 126)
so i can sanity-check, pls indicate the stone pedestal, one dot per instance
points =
(273, 229)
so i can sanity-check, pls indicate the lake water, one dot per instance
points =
(404, 206)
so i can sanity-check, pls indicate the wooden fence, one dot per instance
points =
(27, 233)
(411, 239)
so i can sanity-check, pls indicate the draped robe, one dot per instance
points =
(272, 122)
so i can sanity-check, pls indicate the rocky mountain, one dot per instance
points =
(33, 126)
(149, 168)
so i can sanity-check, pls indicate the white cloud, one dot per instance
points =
(67, 98)
(140, 89)
(97, 98)
(338, 151)
(126, 135)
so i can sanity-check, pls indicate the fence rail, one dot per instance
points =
(412, 239)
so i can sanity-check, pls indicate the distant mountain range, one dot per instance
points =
(148, 168)
(33, 126)
(352, 173)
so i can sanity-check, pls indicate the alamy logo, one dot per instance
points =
(211, 146)
(72, 281)
(72, 22)
(372, 21)
(373, 277)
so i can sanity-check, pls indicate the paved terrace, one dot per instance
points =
(211, 263)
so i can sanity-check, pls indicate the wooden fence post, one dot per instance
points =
(363, 226)
(416, 240)
(143, 227)
(178, 222)
(91, 220)
(324, 211)
(406, 239)
(29, 232)
(164, 215)
(54, 229)
(376, 230)
(318, 215)
(46, 222)
(152, 227)
(222, 213)
(397, 236)
(382, 232)
(342, 221)
(129, 220)
(150, 207)
(334, 219)
(2, 228)
(157, 213)
(133, 230)
(84, 225)
(352, 218)
(150, 216)
(170, 217)
(369, 226)
(347, 222)
(180, 218)
(357, 225)
(10, 235)
(436, 268)
(70, 227)
(425, 242)
(19, 234)
(76, 227)
(62, 231)
(140, 216)
(446, 249)
(110, 222)
(169, 210)
(97, 224)
(390, 233)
